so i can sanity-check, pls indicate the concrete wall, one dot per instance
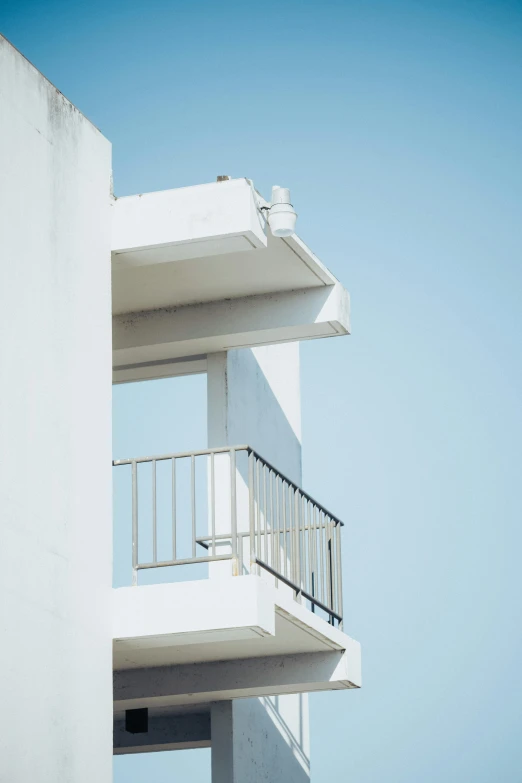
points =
(257, 740)
(254, 399)
(55, 435)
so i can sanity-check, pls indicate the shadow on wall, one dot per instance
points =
(298, 744)
(256, 413)
(261, 739)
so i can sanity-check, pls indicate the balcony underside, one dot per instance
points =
(180, 645)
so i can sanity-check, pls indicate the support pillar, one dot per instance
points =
(254, 399)
(255, 740)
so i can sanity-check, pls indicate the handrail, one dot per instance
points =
(224, 450)
(180, 455)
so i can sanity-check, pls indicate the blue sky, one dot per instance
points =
(398, 127)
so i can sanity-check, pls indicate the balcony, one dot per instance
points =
(195, 271)
(203, 508)
(253, 600)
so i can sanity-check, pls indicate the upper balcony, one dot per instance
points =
(196, 270)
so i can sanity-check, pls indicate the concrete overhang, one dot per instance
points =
(196, 270)
(177, 646)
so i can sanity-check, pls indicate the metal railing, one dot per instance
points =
(231, 504)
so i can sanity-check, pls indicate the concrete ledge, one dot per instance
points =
(185, 613)
(195, 330)
(169, 225)
(224, 680)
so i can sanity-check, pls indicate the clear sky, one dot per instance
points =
(398, 127)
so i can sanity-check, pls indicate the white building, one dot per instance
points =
(199, 285)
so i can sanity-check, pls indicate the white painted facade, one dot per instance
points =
(55, 435)
(199, 284)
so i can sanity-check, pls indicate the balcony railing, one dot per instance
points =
(231, 504)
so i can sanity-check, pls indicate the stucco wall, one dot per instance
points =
(55, 435)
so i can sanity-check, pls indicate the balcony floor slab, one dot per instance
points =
(214, 620)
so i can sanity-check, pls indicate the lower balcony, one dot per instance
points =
(247, 599)
(206, 507)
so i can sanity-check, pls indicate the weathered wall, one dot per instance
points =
(55, 435)
(254, 399)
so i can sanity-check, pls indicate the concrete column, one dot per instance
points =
(259, 740)
(55, 435)
(254, 399)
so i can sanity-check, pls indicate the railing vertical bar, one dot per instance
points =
(233, 510)
(322, 568)
(213, 503)
(258, 510)
(154, 516)
(328, 555)
(304, 506)
(291, 527)
(311, 547)
(174, 508)
(313, 514)
(265, 512)
(193, 501)
(302, 550)
(329, 595)
(310, 584)
(297, 539)
(285, 559)
(332, 566)
(291, 533)
(304, 569)
(339, 569)
(251, 511)
(278, 517)
(134, 523)
(320, 558)
(272, 518)
(313, 566)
